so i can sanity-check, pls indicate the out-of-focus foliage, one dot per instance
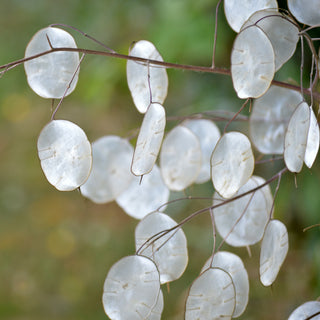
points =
(56, 248)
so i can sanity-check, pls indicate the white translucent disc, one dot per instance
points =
(131, 289)
(180, 158)
(274, 248)
(232, 163)
(49, 76)
(211, 296)
(296, 138)
(312, 141)
(65, 154)
(242, 222)
(237, 12)
(282, 33)
(234, 266)
(306, 311)
(252, 63)
(144, 196)
(139, 74)
(170, 252)
(305, 11)
(110, 174)
(208, 134)
(149, 140)
(270, 116)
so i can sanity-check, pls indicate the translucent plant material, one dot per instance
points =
(274, 248)
(149, 140)
(110, 174)
(232, 163)
(252, 63)
(157, 309)
(233, 265)
(65, 154)
(147, 83)
(270, 117)
(131, 289)
(296, 138)
(208, 134)
(237, 12)
(50, 75)
(242, 222)
(144, 196)
(313, 141)
(308, 310)
(281, 31)
(180, 158)
(305, 11)
(169, 252)
(211, 296)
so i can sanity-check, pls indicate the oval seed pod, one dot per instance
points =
(274, 248)
(252, 63)
(211, 296)
(65, 154)
(50, 75)
(144, 196)
(281, 31)
(208, 134)
(131, 289)
(233, 265)
(269, 118)
(169, 252)
(306, 12)
(237, 12)
(110, 174)
(242, 222)
(232, 163)
(180, 158)
(147, 83)
(308, 310)
(313, 140)
(149, 140)
(296, 137)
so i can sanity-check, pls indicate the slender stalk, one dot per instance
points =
(168, 65)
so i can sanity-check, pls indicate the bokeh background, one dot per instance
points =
(56, 248)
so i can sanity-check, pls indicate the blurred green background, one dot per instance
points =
(56, 248)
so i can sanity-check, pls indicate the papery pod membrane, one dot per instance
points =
(211, 296)
(169, 252)
(237, 12)
(50, 75)
(157, 309)
(242, 222)
(234, 266)
(147, 82)
(208, 134)
(149, 140)
(110, 174)
(281, 31)
(252, 63)
(274, 249)
(232, 163)
(308, 310)
(65, 154)
(313, 140)
(270, 116)
(144, 195)
(296, 138)
(131, 289)
(180, 158)
(305, 11)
